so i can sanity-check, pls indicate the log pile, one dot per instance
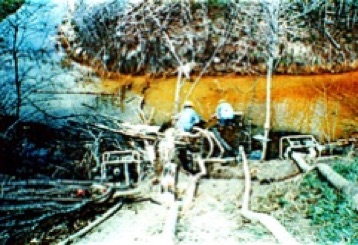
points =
(48, 210)
(29, 207)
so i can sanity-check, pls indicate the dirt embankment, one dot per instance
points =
(318, 97)
(324, 105)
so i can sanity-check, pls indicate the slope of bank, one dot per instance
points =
(324, 105)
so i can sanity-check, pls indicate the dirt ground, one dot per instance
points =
(214, 215)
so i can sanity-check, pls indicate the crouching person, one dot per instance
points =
(187, 118)
(224, 114)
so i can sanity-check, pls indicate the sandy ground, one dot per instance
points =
(212, 218)
(138, 224)
(214, 215)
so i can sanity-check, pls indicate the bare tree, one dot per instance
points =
(164, 38)
(173, 37)
(273, 26)
(23, 51)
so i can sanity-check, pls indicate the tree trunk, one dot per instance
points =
(177, 92)
(16, 73)
(268, 108)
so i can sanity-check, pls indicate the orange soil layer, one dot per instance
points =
(330, 100)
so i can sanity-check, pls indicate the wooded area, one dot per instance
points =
(69, 166)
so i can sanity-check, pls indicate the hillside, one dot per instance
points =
(220, 38)
(225, 48)
(324, 105)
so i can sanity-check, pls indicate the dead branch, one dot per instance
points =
(145, 119)
(92, 225)
(135, 131)
(191, 190)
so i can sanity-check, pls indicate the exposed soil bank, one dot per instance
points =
(324, 105)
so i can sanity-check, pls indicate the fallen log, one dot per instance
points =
(92, 225)
(41, 182)
(36, 221)
(347, 187)
(20, 199)
(277, 230)
(43, 206)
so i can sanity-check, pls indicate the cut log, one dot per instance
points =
(34, 222)
(348, 188)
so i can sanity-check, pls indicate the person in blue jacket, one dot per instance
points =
(187, 118)
(224, 113)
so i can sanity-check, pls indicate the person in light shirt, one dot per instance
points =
(224, 113)
(187, 118)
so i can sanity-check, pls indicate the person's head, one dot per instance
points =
(222, 101)
(187, 104)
